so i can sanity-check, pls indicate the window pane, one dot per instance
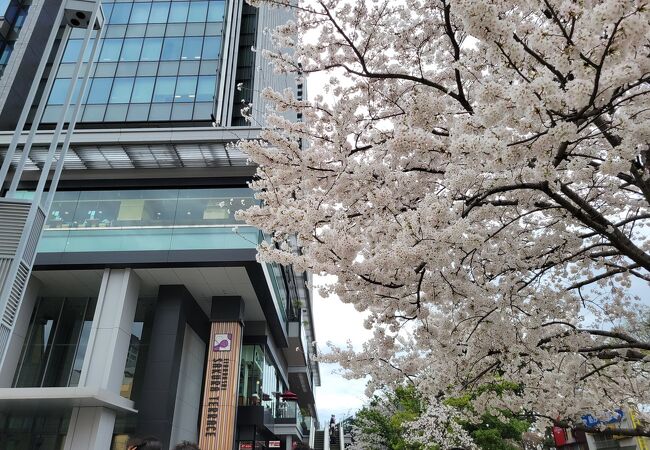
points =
(211, 47)
(121, 12)
(59, 91)
(111, 50)
(164, 91)
(99, 91)
(151, 49)
(178, 12)
(192, 48)
(108, 8)
(206, 89)
(116, 113)
(185, 89)
(72, 50)
(159, 12)
(198, 12)
(215, 13)
(89, 49)
(131, 50)
(140, 13)
(121, 92)
(143, 89)
(172, 49)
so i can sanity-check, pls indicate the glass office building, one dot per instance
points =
(142, 261)
(158, 61)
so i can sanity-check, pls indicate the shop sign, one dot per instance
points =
(245, 446)
(274, 444)
(219, 408)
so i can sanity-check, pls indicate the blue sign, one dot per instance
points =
(592, 421)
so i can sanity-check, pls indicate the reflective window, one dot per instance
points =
(162, 52)
(131, 50)
(55, 347)
(164, 89)
(198, 12)
(121, 92)
(159, 12)
(178, 12)
(151, 49)
(215, 12)
(111, 50)
(121, 13)
(99, 91)
(211, 47)
(192, 48)
(171, 50)
(140, 13)
(185, 89)
(143, 89)
(59, 91)
(205, 90)
(72, 50)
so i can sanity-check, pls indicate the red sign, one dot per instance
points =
(245, 446)
(274, 444)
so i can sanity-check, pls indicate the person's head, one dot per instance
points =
(146, 443)
(186, 445)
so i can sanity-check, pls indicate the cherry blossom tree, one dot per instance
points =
(477, 176)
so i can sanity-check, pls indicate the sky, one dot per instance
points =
(337, 322)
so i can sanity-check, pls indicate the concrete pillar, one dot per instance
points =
(110, 335)
(19, 333)
(158, 392)
(91, 428)
(288, 443)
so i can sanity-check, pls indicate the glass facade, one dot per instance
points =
(30, 432)
(158, 61)
(55, 346)
(260, 383)
(136, 357)
(13, 13)
(150, 219)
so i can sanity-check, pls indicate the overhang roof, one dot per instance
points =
(146, 148)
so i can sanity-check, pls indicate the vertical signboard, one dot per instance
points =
(219, 408)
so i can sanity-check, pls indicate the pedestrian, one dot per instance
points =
(333, 429)
(187, 445)
(147, 443)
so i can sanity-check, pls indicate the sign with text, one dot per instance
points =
(219, 408)
(274, 444)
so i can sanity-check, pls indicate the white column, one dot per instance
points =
(110, 335)
(288, 443)
(91, 428)
(17, 337)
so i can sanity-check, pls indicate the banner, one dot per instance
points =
(219, 408)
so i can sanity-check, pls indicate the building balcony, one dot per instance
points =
(289, 420)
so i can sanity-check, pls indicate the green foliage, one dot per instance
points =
(388, 415)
